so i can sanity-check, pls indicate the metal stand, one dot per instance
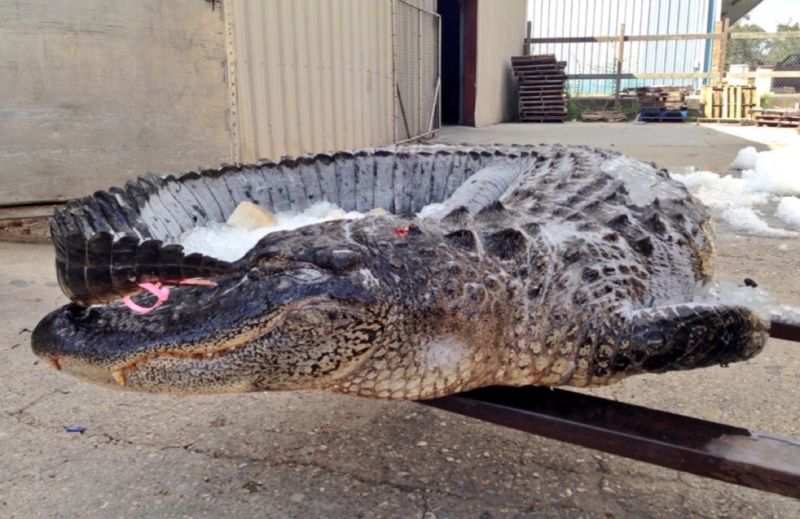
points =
(709, 449)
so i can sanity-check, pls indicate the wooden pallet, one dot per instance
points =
(541, 88)
(777, 118)
(603, 116)
(719, 120)
(729, 101)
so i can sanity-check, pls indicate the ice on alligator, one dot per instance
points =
(247, 225)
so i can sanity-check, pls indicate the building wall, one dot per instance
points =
(94, 94)
(501, 31)
(312, 75)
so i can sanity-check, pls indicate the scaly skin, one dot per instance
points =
(581, 274)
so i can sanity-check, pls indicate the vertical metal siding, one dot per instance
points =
(312, 75)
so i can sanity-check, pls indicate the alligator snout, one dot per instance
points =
(244, 334)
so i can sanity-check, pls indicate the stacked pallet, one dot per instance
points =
(781, 118)
(728, 103)
(541, 88)
(660, 104)
(659, 98)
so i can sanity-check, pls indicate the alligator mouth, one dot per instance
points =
(198, 328)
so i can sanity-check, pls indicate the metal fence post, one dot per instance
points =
(419, 115)
(395, 96)
(620, 58)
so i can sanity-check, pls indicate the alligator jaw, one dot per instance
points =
(243, 335)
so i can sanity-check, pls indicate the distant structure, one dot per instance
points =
(585, 18)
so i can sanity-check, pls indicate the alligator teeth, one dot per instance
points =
(119, 376)
(54, 362)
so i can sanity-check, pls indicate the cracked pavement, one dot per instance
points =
(313, 454)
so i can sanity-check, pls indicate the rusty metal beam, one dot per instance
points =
(785, 331)
(724, 452)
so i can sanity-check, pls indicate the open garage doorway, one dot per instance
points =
(459, 52)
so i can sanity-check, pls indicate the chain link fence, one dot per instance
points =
(776, 54)
(768, 61)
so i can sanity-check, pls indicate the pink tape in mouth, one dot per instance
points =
(161, 293)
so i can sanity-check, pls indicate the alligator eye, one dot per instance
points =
(337, 260)
(304, 275)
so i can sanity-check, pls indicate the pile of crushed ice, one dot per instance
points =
(767, 177)
(769, 185)
(231, 240)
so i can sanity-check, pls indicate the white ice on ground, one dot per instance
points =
(765, 176)
(776, 172)
(745, 159)
(745, 220)
(756, 299)
(229, 243)
(789, 211)
(721, 192)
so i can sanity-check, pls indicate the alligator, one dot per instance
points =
(538, 265)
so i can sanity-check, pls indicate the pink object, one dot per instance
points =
(161, 293)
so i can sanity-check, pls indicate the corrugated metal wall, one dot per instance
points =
(500, 36)
(578, 18)
(312, 75)
(96, 92)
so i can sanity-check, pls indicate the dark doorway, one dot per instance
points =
(459, 28)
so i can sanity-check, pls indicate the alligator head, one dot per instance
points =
(296, 326)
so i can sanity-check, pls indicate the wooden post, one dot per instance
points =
(720, 51)
(620, 58)
(526, 47)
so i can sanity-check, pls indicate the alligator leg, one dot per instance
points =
(681, 337)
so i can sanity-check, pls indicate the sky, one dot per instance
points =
(771, 12)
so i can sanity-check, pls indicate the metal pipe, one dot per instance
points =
(731, 454)
(723, 452)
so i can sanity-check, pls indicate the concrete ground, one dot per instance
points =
(313, 454)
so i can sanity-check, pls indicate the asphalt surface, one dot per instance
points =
(313, 454)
